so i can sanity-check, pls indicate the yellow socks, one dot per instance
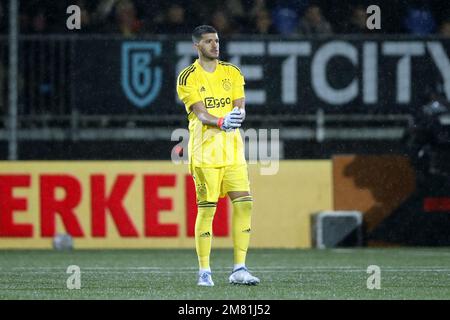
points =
(203, 232)
(241, 226)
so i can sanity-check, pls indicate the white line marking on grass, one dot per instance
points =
(139, 270)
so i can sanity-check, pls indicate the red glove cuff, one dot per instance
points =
(220, 122)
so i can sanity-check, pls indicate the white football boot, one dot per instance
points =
(242, 276)
(205, 279)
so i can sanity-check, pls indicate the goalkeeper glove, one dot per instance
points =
(231, 121)
(242, 112)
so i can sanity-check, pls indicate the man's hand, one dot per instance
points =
(232, 120)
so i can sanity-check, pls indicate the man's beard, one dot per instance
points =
(208, 56)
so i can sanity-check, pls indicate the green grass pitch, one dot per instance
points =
(406, 273)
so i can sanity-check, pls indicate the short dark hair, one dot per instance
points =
(201, 30)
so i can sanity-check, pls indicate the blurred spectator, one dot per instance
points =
(221, 22)
(104, 9)
(358, 20)
(313, 22)
(444, 29)
(299, 6)
(39, 22)
(85, 17)
(262, 23)
(126, 20)
(258, 5)
(419, 19)
(235, 10)
(175, 22)
(130, 17)
(285, 20)
(239, 13)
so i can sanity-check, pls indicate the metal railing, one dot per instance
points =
(46, 109)
(44, 69)
(44, 82)
(319, 127)
(3, 77)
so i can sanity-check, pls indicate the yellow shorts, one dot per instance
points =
(212, 183)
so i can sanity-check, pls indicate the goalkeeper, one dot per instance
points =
(213, 94)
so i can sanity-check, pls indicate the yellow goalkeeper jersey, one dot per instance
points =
(209, 146)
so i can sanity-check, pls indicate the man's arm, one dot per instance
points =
(240, 103)
(203, 115)
(231, 121)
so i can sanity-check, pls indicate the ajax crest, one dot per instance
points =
(141, 81)
(226, 84)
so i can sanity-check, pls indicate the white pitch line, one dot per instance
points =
(256, 267)
(118, 270)
(226, 268)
